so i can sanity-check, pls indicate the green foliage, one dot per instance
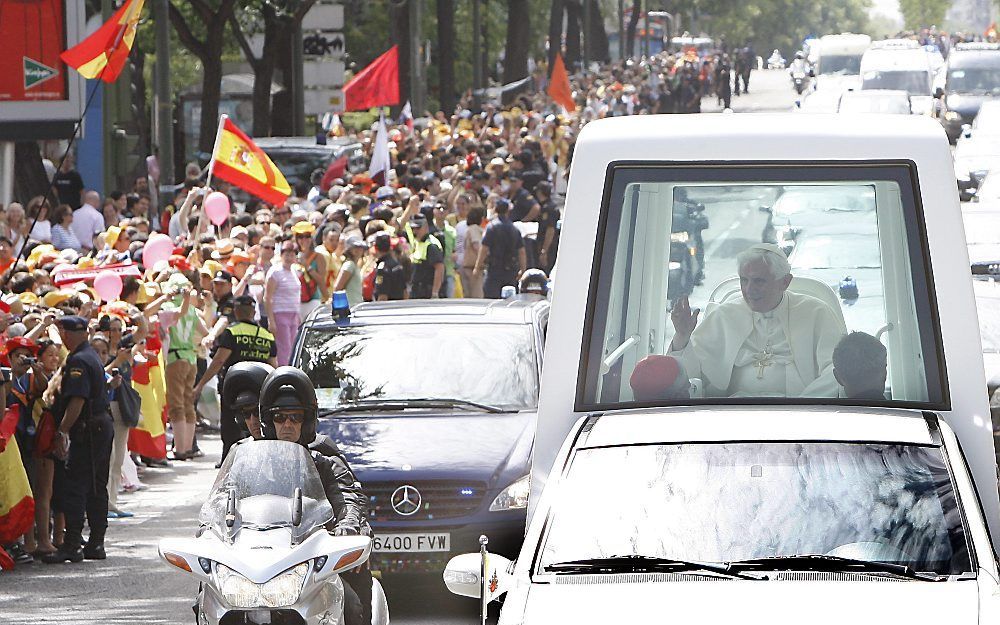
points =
(923, 13)
(781, 24)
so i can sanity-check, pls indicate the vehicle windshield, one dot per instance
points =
(737, 501)
(912, 82)
(974, 81)
(491, 364)
(840, 64)
(264, 475)
(875, 104)
(688, 275)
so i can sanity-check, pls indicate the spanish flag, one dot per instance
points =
(237, 160)
(103, 54)
(149, 438)
(17, 506)
(559, 89)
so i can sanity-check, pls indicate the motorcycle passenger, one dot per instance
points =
(241, 392)
(288, 412)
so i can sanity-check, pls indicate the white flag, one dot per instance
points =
(380, 163)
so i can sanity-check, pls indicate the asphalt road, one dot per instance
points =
(134, 586)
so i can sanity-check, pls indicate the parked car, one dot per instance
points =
(890, 101)
(298, 157)
(972, 77)
(433, 403)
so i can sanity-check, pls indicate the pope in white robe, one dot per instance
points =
(769, 343)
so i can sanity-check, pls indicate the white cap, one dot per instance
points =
(384, 192)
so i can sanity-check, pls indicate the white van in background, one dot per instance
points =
(900, 64)
(837, 69)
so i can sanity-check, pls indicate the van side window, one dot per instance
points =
(766, 285)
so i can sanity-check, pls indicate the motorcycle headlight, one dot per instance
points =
(281, 590)
(679, 237)
(284, 589)
(952, 116)
(237, 590)
(514, 497)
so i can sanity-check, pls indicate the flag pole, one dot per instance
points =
(483, 602)
(215, 149)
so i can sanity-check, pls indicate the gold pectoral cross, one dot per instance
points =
(763, 360)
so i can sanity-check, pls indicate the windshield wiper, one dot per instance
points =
(637, 563)
(822, 562)
(364, 405)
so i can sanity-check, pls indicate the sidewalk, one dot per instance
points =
(133, 585)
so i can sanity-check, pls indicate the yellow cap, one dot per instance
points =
(28, 298)
(54, 298)
(303, 227)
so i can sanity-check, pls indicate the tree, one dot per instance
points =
(919, 14)
(515, 65)
(556, 13)
(573, 33)
(278, 24)
(210, 18)
(633, 22)
(446, 54)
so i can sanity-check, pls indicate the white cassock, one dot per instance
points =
(786, 352)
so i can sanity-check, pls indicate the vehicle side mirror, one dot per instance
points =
(463, 575)
(966, 130)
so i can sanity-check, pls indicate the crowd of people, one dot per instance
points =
(102, 386)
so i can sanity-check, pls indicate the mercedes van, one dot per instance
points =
(900, 64)
(838, 434)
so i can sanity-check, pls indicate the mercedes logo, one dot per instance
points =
(406, 500)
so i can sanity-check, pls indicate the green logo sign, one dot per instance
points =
(35, 73)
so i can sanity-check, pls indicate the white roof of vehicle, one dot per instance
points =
(845, 43)
(895, 59)
(680, 425)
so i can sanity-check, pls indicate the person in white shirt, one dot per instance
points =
(769, 343)
(88, 220)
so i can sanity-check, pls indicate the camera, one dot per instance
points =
(5, 376)
(127, 342)
(115, 371)
(29, 360)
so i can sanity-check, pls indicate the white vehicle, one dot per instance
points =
(900, 64)
(741, 503)
(263, 554)
(883, 101)
(838, 61)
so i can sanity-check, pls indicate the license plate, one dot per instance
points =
(411, 543)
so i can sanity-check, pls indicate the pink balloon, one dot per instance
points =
(158, 247)
(217, 207)
(108, 285)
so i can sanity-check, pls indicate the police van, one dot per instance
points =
(854, 445)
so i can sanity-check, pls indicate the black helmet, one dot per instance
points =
(534, 281)
(288, 387)
(243, 383)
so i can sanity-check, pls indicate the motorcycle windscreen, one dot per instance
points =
(264, 476)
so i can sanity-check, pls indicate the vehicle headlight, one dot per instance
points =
(679, 237)
(281, 590)
(952, 116)
(514, 497)
(995, 399)
(284, 589)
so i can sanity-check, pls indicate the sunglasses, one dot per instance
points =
(267, 247)
(295, 418)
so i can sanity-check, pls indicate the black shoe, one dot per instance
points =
(64, 554)
(94, 553)
(218, 465)
(151, 462)
(19, 555)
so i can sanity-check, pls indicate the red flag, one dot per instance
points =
(103, 54)
(337, 169)
(559, 89)
(375, 85)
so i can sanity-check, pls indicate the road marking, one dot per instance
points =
(717, 243)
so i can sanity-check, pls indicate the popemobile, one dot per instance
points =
(811, 413)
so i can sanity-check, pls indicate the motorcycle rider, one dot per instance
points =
(288, 412)
(534, 285)
(799, 65)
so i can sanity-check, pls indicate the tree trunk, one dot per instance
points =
(29, 174)
(277, 41)
(573, 19)
(599, 47)
(211, 93)
(515, 63)
(399, 34)
(633, 21)
(141, 119)
(556, 29)
(281, 114)
(446, 54)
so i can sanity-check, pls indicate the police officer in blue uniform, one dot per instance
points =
(83, 444)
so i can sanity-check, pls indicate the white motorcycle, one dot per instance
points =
(263, 555)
